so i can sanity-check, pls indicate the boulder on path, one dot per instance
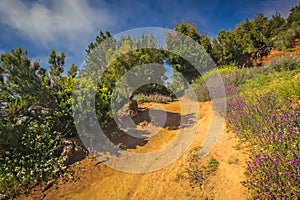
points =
(73, 150)
(133, 108)
(129, 109)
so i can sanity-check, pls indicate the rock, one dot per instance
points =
(171, 127)
(133, 108)
(129, 109)
(233, 160)
(73, 150)
(2, 197)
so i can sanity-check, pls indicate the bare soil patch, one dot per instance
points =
(92, 179)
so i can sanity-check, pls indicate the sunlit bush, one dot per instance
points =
(141, 98)
(285, 63)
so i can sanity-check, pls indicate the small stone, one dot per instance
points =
(48, 185)
(233, 160)
(2, 197)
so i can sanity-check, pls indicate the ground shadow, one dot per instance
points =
(120, 138)
(173, 120)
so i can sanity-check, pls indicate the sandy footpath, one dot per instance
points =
(94, 180)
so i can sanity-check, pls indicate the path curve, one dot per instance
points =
(93, 180)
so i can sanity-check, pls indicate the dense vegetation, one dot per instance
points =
(264, 112)
(263, 108)
(35, 115)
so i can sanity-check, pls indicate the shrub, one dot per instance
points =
(103, 105)
(232, 78)
(141, 98)
(284, 63)
(35, 159)
(285, 39)
(34, 113)
(201, 91)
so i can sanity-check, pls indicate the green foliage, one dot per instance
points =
(103, 105)
(282, 83)
(278, 77)
(226, 49)
(285, 38)
(179, 177)
(119, 57)
(294, 15)
(254, 38)
(276, 24)
(249, 41)
(65, 111)
(177, 83)
(35, 114)
(185, 46)
(36, 159)
(99, 38)
(232, 77)
(187, 29)
(212, 166)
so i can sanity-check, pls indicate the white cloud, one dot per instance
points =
(70, 22)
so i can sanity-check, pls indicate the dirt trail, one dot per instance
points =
(94, 180)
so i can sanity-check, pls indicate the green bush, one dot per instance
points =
(284, 63)
(232, 76)
(35, 112)
(285, 39)
(35, 159)
(103, 105)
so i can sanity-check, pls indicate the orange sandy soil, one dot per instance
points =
(276, 53)
(94, 180)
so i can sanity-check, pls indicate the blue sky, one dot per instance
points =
(70, 25)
